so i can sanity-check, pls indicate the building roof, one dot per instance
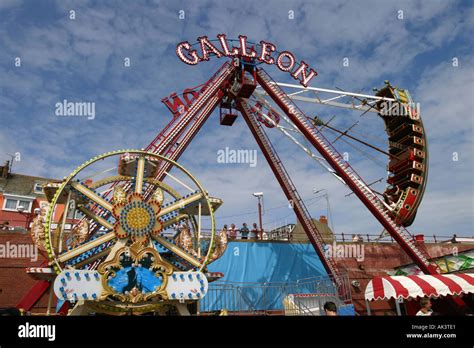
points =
(299, 234)
(23, 185)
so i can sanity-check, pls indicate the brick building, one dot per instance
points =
(20, 197)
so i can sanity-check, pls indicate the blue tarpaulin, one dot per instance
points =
(255, 274)
(268, 262)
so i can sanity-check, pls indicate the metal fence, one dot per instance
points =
(272, 298)
(286, 234)
(373, 238)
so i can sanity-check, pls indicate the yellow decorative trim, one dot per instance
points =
(140, 174)
(136, 252)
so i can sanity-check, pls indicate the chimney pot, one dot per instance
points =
(4, 170)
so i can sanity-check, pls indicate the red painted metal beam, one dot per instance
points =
(169, 135)
(290, 191)
(64, 308)
(300, 120)
(189, 135)
(33, 295)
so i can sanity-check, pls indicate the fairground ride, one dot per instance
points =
(240, 85)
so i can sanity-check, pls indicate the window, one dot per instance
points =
(12, 203)
(38, 188)
(24, 204)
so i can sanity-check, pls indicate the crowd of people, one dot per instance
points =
(244, 232)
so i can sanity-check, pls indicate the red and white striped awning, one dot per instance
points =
(385, 288)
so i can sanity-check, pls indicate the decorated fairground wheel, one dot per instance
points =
(121, 240)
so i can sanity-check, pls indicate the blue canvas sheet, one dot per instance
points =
(268, 262)
(273, 263)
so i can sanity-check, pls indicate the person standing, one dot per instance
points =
(244, 231)
(226, 229)
(232, 232)
(254, 232)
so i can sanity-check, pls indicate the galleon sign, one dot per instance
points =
(264, 53)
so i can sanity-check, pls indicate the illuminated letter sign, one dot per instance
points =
(285, 60)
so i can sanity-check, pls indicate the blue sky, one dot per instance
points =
(82, 60)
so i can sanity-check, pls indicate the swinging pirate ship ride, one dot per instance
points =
(115, 257)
